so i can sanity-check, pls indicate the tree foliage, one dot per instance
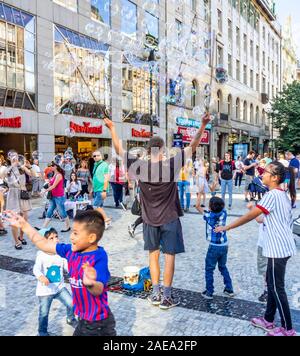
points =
(286, 118)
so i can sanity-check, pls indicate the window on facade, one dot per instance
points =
(129, 18)
(69, 4)
(152, 25)
(245, 111)
(82, 74)
(220, 101)
(229, 109)
(220, 22)
(251, 79)
(178, 30)
(101, 10)
(257, 116)
(245, 75)
(136, 94)
(251, 113)
(230, 65)
(230, 31)
(17, 56)
(238, 70)
(194, 93)
(220, 57)
(194, 5)
(238, 109)
(206, 10)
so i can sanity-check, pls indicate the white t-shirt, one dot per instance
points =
(36, 169)
(278, 235)
(52, 267)
(73, 187)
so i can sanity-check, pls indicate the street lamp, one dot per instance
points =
(151, 56)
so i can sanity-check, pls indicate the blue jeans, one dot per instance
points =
(59, 204)
(217, 255)
(45, 304)
(184, 187)
(224, 185)
(98, 200)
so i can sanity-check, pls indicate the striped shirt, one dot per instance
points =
(86, 306)
(277, 230)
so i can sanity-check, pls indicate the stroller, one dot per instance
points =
(257, 189)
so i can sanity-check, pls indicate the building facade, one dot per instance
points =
(65, 64)
(289, 55)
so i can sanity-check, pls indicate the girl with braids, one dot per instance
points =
(278, 246)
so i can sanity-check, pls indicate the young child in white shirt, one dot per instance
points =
(49, 271)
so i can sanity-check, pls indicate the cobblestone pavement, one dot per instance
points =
(19, 307)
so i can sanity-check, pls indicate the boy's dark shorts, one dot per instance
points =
(168, 238)
(105, 327)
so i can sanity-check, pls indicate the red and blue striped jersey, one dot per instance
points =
(86, 306)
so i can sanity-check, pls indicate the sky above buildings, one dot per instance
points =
(286, 8)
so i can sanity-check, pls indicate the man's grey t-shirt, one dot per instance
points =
(158, 186)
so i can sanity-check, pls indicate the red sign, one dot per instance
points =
(86, 128)
(188, 134)
(14, 122)
(143, 133)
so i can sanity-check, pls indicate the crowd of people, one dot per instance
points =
(160, 188)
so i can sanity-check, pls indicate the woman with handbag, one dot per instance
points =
(18, 198)
(56, 195)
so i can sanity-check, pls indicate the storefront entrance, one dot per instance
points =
(81, 147)
(23, 144)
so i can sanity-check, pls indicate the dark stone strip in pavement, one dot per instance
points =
(189, 213)
(191, 300)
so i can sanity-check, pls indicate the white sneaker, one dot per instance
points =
(131, 230)
(108, 224)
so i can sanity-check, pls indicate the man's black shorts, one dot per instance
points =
(168, 238)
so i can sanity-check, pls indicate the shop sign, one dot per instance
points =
(189, 133)
(183, 122)
(14, 122)
(86, 128)
(142, 133)
(177, 140)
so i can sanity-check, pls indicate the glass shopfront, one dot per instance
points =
(17, 58)
(136, 93)
(81, 147)
(82, 75)
(23, 144)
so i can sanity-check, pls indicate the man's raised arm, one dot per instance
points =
(115, 138)
(197, 138)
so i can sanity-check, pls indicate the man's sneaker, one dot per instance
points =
(207, 295)
(263, 298)
(123, 206)
(155, 299)
(282, 332)
(229, 293)
(72, 322)
(131, 230)
(108, 224)
(169, 303)
(263, 324)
